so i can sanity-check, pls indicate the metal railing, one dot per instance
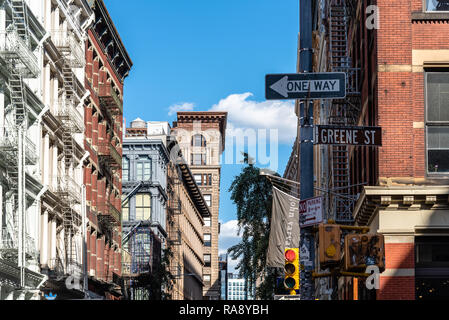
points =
(30, 151)
(67, 112)
(109, 97)
(109, 150)
(16, 48)
(67, 43)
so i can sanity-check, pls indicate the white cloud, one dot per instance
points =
(249, 114)
(229, 229)
(186, 106)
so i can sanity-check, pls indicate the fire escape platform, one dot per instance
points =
(11, 272)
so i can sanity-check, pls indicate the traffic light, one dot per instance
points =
(329, 244)
(291, 268)
(362, 250)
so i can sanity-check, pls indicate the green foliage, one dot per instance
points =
(252, 194)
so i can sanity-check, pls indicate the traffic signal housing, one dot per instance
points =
(362, 250)
(291, 268)
(329, 244)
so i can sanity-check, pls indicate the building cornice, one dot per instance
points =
(375, 198)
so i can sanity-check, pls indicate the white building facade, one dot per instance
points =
(42, 98)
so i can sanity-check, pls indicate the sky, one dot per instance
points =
(205, 55)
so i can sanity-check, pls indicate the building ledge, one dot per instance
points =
(374, 198)
(430, 16)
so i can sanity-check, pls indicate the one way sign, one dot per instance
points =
(329, 85)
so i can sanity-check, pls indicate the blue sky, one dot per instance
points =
(210, 55)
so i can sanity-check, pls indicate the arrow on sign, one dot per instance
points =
(281, 87)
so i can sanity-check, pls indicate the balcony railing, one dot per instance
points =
(67, 186)
(30, 151)
(109, 98)
(108, 151)
(16, 48)
(110, 213)
(68, 114)
(69, 47)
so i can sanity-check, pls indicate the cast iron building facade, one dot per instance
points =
(144, 174)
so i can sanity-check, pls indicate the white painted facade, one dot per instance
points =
(42, 50)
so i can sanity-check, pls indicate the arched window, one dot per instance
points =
(198, 140)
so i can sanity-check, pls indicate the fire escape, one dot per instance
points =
(16, 150)
(174, 229)
(343, 111)
(110, 158)
(72, 123)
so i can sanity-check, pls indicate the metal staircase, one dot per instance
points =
(20, 19)
(343, 111)
(21, 63)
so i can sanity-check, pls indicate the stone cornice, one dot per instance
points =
(374, 198)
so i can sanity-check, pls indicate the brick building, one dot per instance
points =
(398, 79)
(187, 212)
(107, 66)
(201, 138)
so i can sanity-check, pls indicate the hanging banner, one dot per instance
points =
(284, 232)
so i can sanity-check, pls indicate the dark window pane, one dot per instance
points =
(438, 96)
(438, 137)
(438, 161)
(437, 5)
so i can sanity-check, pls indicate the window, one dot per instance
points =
(125, 211)
(209, 179)
(437, 122)
(143, 206)
(207, 222)
(207, 241)
(198, 179)
(206, 278)
(198, 159)
(198, 140)
(143, 170)
(207, 260)
(125, 169)
(207, 198)
(437, 5)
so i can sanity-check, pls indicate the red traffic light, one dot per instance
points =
(290, 255)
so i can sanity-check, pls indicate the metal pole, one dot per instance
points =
(307, 241)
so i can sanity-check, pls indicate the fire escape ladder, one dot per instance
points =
(17, 97)
(68, 152)
(343, 111)
(20, 19)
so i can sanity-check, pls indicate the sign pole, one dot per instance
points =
(307, 241)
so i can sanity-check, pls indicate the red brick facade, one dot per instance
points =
(395, 101)
(103, 141)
